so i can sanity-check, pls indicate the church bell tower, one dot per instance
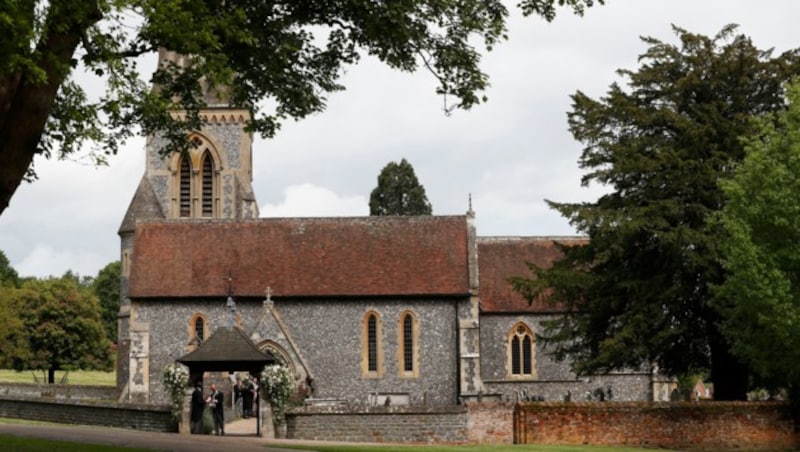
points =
(212, 181)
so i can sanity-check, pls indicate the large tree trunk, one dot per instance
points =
(51, 376)
(25, 103)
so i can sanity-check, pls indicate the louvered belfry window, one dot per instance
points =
(185, 196)
(208, 185)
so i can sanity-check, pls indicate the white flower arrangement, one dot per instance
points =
(278, 384)
(176, 379)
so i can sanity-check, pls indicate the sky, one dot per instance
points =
(508, 155)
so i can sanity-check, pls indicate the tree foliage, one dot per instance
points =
(8, 276)
(13, 336)
(63, 325)
(638, 291)
(280, 59)
(106, 289)
(760, 297)
(398, 192)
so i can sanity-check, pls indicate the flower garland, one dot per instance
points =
(176, 379)
(278, 384)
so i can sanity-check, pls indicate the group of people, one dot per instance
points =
(215, 400)
(245, 395)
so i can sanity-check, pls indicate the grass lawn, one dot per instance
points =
(15, 443)
(75, 377)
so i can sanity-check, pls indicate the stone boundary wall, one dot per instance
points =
(59, 391)
(104, 413)
(704, 425)
(378, 424)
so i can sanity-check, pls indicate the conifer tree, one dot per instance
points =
(399, 192)
(638, 293)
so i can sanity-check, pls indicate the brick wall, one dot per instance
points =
(103, 413)
(490, 423)
(709, 425)
(393, 424)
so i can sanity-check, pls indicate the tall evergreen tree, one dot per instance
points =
(399, 192)
(638, 292)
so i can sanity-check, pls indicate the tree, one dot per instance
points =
(398, 192)
(638, 293)
(760, 297)
(64, 328)
(288, 55)
(13, 337)
(106, 289)
(8, 276)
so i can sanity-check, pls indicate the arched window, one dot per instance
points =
(372, 343)
(185, 188)
(194, 184)
(521, 352)
(371, 346)
(408, 345)
(208, 184)
(198, 331)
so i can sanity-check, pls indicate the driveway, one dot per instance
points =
(240, 437)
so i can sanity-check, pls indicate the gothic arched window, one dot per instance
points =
(521, 352)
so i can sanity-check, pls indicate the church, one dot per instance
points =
(388, 310)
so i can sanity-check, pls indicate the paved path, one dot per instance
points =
(240, 437)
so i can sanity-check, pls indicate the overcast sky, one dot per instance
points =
(509, 154)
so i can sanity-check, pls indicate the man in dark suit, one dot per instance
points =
(196, 414)
(217, 402)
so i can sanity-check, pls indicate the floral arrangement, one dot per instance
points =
(176, 379)
(278, 384)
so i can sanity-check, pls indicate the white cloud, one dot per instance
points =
(43, 261)
(309, 200)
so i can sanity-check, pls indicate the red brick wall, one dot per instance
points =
(490, 423)
(710, 425)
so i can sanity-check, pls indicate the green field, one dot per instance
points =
(75, 377)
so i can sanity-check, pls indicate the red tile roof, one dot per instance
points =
(301, 257)
(500, 258)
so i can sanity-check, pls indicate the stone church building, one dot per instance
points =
(364, 310)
